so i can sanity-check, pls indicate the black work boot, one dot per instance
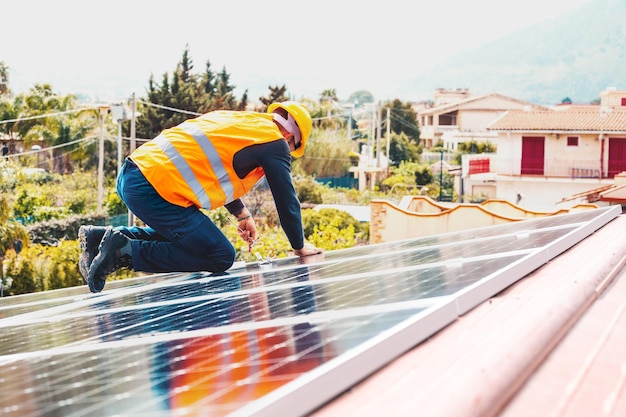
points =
(89, 238)
(109, 259)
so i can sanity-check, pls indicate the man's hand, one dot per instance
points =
(247, 231)
(307, 250)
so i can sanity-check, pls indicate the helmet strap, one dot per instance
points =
(290, 125)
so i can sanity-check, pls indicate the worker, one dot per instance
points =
(205, 163)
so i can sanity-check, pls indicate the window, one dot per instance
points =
(572, 141)
(477, 166)
(533, 152)
(623, 101)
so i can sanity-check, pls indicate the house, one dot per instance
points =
(456, 116)
(545, 156)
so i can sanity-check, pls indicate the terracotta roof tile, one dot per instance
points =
(568, 120)
(455, 105)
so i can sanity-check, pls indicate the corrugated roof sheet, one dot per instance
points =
(564, 121)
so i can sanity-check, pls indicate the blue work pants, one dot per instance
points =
(175, 239)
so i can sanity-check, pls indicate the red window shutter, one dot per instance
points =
(532, 155)
(477, 166)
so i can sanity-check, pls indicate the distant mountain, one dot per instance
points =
(576, 56)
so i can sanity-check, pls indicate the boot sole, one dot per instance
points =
(95, 281)
(89, 249)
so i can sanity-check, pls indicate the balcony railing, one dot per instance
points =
(584, 172)
(428, 132)
(551, 168)
(578, 168)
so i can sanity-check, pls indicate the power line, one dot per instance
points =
(159, 106)
(43, 116)
(62, 145)
(403, 122)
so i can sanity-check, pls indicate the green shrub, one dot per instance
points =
(114, 204)
(54, 231)
(331, 236)
(29, 198)
(333, 223)
(220, 217)
(19, 272)
(271, 243)
(43, 267)
(56, 266)
(79, 201)
(308, 190)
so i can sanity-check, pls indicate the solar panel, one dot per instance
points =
(273, 338)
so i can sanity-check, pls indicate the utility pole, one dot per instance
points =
(379, 134)
(388, 136)
(349, 123)
(369, 138)
(103, 112)
(440, 174)
(133, 144)
(119, 114)
(133, 118)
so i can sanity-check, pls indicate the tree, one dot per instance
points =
(358, 98)
(327, 154)
(208, 82)
(9, 110)
(403, 119)
(328, 96)
(4, 79)
(423, 175)
(183, 95)
(402, 149)
(276, 94)
(62, 126)
(329, 114)
(41, 115)
(13, 236)
(224, 99)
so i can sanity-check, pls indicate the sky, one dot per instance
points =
(108, 50)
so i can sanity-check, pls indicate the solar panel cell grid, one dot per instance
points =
(198, 344)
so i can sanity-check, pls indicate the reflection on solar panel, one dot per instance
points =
(269, 339)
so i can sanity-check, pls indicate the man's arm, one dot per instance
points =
(275, 159)
(237, 208)
(276, 162)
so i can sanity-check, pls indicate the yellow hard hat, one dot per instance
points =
(302, 117)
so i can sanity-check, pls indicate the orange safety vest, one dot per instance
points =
(192, 163)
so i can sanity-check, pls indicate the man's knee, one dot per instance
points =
(225, 259)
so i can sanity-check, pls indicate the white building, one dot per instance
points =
(546, 156)
(458, 117)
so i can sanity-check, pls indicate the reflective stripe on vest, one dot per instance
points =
(187, 173)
